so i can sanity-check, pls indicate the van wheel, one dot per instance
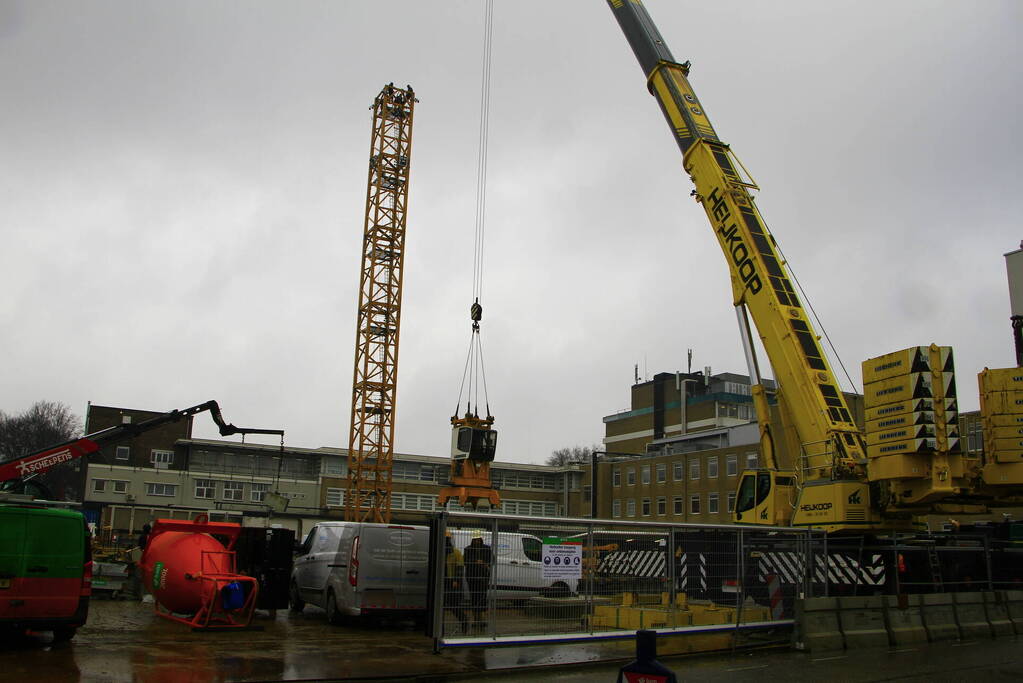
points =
(64, 633)
(558, 590)
(333, 613)
(295, 603)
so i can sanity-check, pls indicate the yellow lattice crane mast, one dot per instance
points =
(371, 437)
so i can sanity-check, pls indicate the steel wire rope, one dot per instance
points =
(473, 370)
(809, 304)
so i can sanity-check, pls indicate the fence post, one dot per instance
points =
(439, 567)
(592, 569)
(671, 568)
(491, 601)
(740, 583)
(895, 564)
(827, 567)
(987, 562)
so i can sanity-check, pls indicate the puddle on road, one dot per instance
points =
(124, 641)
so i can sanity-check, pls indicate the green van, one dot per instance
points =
(45, 570)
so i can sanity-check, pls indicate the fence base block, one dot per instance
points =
(817, 628)
(939, 617)
(971, 615)
(905, 622)
(862, 622)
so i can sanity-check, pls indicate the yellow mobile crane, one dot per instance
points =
(838, 482)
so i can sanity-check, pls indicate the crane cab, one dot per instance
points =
(765, 497)
(478, 444)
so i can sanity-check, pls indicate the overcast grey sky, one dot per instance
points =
(182, 188)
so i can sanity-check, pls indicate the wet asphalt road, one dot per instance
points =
(125, 641)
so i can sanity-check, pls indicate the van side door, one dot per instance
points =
(302, 566)
(324, 550)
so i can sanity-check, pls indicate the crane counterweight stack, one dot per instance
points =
(371, 436)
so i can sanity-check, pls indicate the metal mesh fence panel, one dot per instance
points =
(535, 579)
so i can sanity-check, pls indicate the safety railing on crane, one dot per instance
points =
(816, 461)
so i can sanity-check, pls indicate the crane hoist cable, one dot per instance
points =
(474, 375)
(813, 311)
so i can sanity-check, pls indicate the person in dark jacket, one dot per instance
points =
(454, 575)
(478, 558)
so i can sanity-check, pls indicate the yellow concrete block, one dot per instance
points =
(656, 618)
(711, 615)
(631, 618)
(681, 618)
(751, 614)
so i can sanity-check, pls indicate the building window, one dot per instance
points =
(413, 501)
(233, 490)
(630, 476)
(731, 465)
(646, 507)
(153, 489)
(120, 486)
(677, 470)
(616, 508)
(204, 488)
(427, 473)
(335, 498)
(161, 459)
(751, 461)
(694, 504)
(662, 506)
(257, 492)
(712, 503)
(731, 501)
(676, 504)
(337, 466)
(646, 474)
(630, 507)
(126, 419)
(616, 477)
(662, 472)
(712, 467)
(99, 485)
(122, 453)
(694, 469)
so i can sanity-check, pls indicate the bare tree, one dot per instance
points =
(576, 455)
(45, 424)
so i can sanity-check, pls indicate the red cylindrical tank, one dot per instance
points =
(172, 562)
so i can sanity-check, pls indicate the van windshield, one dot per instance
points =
(531, 548)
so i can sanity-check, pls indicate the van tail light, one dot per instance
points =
(86, 580)
(353, 563)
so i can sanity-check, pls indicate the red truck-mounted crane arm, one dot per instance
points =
(13, 472)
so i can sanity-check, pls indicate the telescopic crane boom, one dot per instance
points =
(808, 394)
(15, 473)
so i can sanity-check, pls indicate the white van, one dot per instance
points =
(358, 568)
(518, 569)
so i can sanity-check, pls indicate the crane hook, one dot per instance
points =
(476, 314)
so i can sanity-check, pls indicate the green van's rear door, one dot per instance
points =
(42, 559)
(12, 560)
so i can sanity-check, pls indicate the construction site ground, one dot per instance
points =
(125, 641)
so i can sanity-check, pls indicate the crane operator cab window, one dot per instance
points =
(753, 490)
(471, 443)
